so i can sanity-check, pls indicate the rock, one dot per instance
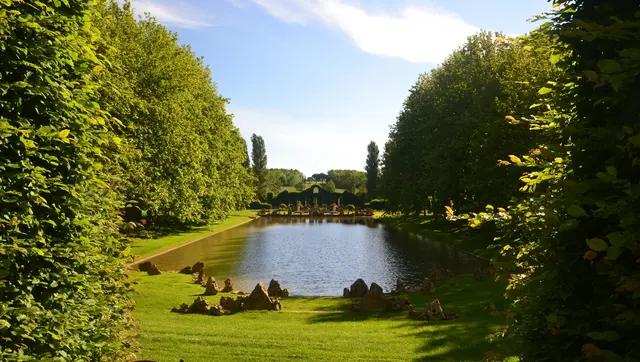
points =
(153, 270)
(198, 278)
(199, 306)
(434, 311)
(375, 291)
(183, 308)
(259, 299)
(218, 310)
(274, 290)
(228, 286)
(186, 270)
(197, 267)
(143, 267)
(232, 305)
(359, 289)
(400, 287)
(346, 293)
(211, 287)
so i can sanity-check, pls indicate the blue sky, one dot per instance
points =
(319, 79)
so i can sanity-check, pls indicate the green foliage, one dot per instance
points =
(351, 180)
(452, 130)
(330, 185)
(259, 160)
(62, 285)
(277, 178)
(570, 244)
(372, 169)
(182, 159)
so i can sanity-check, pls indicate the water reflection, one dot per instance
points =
(317, 256)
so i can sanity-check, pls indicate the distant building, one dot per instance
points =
(317, 195)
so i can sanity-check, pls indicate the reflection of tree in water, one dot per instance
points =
(318, 256)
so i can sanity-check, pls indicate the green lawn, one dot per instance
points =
(312, 328)
(141, 247)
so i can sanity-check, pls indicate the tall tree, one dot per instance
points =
(62, 278)
(372, 168)
(259, 161)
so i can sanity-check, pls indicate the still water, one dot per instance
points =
(316, 256)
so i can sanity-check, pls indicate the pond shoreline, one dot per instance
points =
(142, 259)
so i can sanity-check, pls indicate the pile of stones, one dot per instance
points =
(259, 299)
(372, 298)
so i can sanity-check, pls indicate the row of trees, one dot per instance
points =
(98, 111)
(558, 109)
(452, 131)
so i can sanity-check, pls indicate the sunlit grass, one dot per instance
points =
(312, 327)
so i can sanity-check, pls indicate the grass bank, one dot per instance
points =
(313, 328)
(144, 247)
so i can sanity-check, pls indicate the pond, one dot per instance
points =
(316, 256)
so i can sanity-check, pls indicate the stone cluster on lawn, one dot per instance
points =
(372, 298)
(259, 299)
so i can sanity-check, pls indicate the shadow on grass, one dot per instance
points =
(478, 303)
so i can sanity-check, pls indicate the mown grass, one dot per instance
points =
(142, 247)
(313, 328)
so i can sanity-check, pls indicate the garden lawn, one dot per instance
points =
(144, 247)
(311, 328)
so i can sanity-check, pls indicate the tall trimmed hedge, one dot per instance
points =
(62, 291)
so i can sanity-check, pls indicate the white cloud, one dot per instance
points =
(178, 14)
(416, 34)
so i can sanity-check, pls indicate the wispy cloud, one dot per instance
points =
(416, 34)
(172, 12)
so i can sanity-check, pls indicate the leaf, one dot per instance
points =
(597, 244)
(576, 211)
(554, 58)
(591, 75)
(515, 159)
(544, 90)
(64, 133)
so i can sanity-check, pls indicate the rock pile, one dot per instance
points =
(358, 289)
(258, 300)
(228, 286)
(275, 290)
(199, 277)
(211, 287)
(149, 267)
(372, 298)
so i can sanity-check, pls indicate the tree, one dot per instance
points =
(62, 276)
(181, 158)
(330, 186)
(259, 160)
(452, 129)
(371, 167)
(348, 179)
